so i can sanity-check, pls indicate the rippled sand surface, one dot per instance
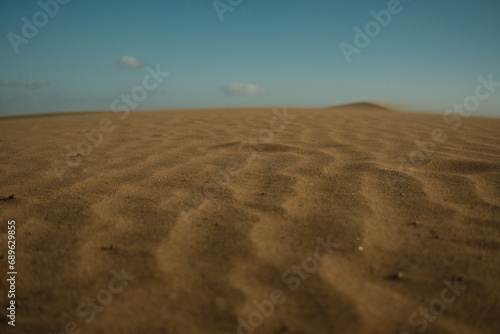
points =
(353, 219)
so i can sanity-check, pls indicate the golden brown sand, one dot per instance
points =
(215, 216)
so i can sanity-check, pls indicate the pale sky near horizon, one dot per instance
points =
(263, 53)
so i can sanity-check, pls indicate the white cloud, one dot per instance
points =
(155, 92)
(7, 83)
(240, 89)
(129, 62)
(36, 84)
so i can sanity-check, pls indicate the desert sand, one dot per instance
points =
(349, 219)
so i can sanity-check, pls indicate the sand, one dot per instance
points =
(350, 219)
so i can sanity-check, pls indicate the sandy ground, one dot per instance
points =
(329, 220)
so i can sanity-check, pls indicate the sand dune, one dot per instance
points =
(349, 219)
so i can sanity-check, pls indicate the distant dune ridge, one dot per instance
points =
(361, 106)
(347, 219)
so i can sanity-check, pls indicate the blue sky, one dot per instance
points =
(263, 53)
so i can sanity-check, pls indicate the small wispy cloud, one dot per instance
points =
(155, 92)
(129, 62)
(241, 89)
(36, 84)
(7, 83)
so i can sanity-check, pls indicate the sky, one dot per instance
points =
(60, 55)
